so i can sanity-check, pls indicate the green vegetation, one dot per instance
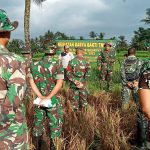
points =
(94, 84)
(140, 54)
(104, 125)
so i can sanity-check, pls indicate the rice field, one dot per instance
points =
(104, 126)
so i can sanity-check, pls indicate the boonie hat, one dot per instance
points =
(5, 24)
(51, 49)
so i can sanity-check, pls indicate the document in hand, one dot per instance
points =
(45, 103)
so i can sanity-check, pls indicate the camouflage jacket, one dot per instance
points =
(12, 89)
(144, 82)
(45, 74)
(78, 69)
(145, 67)
(106, 57)
(123, 73)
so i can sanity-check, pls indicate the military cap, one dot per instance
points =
(110, 44)
(5, 24)
(51, 49)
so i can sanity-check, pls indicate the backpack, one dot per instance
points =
(131, 69)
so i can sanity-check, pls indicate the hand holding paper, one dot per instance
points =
(43, 102)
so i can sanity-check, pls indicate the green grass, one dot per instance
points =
(140, 54)
(104, 119)
(94, 83)
(120, 55)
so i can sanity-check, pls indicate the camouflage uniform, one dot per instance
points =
(126, 91)
(45, 74)
(13, 128)
(78, 69)
(105, 61)
(144, 83)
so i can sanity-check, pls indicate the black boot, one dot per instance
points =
(37, 142)
(142, 128)
(52, 146)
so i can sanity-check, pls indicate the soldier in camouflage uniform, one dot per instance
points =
(105, 62)
(144, 93)
(130, 70)
(13, 128)
(46, 80)
(77, 73)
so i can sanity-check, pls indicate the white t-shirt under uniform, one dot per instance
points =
(65, 58)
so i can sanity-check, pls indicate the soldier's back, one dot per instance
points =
(12, 88)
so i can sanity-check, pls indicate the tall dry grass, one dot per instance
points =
(104, 126)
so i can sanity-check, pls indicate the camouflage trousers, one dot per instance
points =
(14, 137)
(148, 136)
(13, 128)
(126, 93)
(78, 98)
(106, 72)
(142, 122)
(143, 130)
(55, 119)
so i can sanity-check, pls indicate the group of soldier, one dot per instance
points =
(46, 78)
(135, 79)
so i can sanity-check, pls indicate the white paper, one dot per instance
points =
(37, 101)
(44, 103)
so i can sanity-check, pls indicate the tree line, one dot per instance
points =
(38, 44)
(140, 39)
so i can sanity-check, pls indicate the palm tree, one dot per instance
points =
(81, 38)
(27, 22)
(147, 19)
(27, 39)
(92, 35)
(122, 43)
(101, 35)
(49, 36)
(122, 38)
